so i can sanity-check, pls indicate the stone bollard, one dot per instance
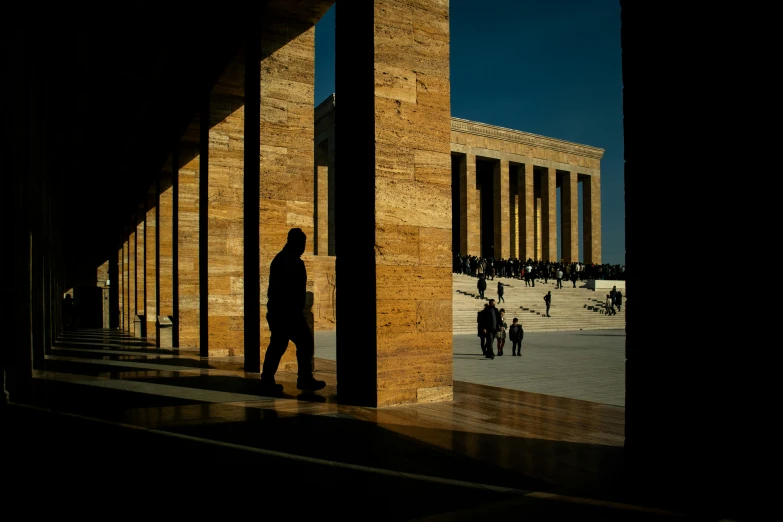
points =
(165, 329)
(138, 326)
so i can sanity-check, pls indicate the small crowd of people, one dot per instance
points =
(531, 270)
(492, 326)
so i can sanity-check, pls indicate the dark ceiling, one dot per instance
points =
(119, 92)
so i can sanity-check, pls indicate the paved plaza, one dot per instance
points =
(587, 365)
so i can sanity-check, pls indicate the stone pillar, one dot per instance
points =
(132, 278)
(570, 219)
(118, 283)
(151, 263)
(470, 222)
(500, 207)
(527, 212)
(549, 214)
(539, 251)
(322, 198)
(126, 278)
(591, 194)
(140, 287)
(187, 321)
(330, 204)
(165, 302)
(514, 210)
(396, 195)
(225, 212)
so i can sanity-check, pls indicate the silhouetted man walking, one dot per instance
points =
(285, 315)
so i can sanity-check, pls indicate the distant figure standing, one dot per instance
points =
(548, 301)
(500, 292)
(619, 298)
(515, 334)
(285, 315)
(481, 286)
(500, 335)
(559, 276)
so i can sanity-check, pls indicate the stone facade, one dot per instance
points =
(527, 170)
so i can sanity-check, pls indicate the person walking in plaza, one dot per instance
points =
(481, 286)
(548, 301)
(609, 307)
(285, 314)
(500, 335)
(573, 277)
(500, 292)
(619, 300)
(515, 334)
(488, 325)
(559, 275)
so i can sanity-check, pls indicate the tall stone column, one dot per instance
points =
(468, 206)
(151, 262)
(500, 207)
(395, 189)
(126, 279)
(225, 212)
(591, 193)
(118, 284)
(539, 249)
(141, 269)
(570, 219)
(527, 209)
(187, 320)
(549, 214)
(165, 302)
(322, 198)
(332, 173)
(132, 247)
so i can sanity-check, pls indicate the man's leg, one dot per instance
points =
(302, 337)
(274, 352)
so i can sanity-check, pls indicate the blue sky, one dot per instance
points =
(548, 67)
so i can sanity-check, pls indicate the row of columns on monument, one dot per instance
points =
(216, 232)
(525, 211)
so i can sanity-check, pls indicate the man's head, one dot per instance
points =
(296, 241)
(515, 320)
(492, 303)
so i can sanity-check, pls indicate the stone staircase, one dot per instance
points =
(572, 308)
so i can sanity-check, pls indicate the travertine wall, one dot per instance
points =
(527, 215)
(549, 214)
(412, 202)
(140, 261)
(187, 210)
(591, 194)
(126, 278)
(150, 249)
(225, 253)
(570, 218)
(132, 279)
(166, 242)
(501, 194)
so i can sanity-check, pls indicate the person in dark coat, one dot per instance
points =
(488, 325)
(516, 334)
(285, 315)
(481, 285)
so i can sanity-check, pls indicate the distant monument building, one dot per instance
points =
(503, 189)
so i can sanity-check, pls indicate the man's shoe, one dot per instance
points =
(310, 384)
(271, 387)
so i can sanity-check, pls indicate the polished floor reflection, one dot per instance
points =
(489, 447)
